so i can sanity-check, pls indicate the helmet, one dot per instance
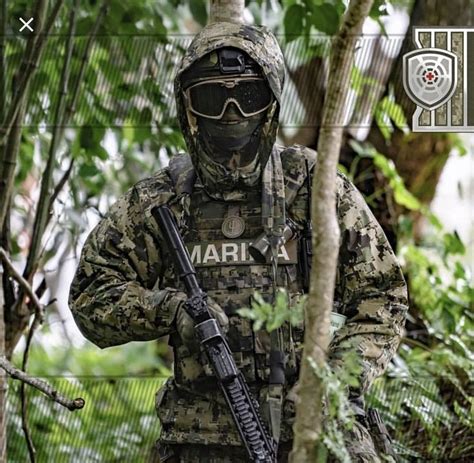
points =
(228, 90)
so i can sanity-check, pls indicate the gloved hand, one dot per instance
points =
(185, 324)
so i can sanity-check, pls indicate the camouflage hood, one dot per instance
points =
(260, 44)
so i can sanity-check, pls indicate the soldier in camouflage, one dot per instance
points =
(234, 184)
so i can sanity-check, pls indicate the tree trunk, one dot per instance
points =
(308, 426)
(226, 10)
(3, 380)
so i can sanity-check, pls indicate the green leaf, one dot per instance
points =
(401, 194)
(199, 11)
(101, 153)
(388, 111)
(395, 112)
(405, 198)
(453, 244)
(379, 8)
(90, 137)
(25, 159)
(88, 170)
(293, 22)
(325, 18)
(458, 143)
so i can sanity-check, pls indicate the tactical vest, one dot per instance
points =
(217, 236)
(229, 275)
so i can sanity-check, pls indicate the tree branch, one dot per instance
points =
(4, 289)
(43, 386)
(30, 65)
(19, 278)
(226, 10)
(42, 211)
(14, 117)
(71, 108)
(3, 60)
(60, 185)
(62, 116)
(325, 241)
(42, 214)
(37, 321)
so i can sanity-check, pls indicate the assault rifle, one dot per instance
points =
(244, 408)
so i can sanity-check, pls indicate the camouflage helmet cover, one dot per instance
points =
(261, 45)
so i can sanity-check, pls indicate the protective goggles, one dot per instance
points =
(211, 97)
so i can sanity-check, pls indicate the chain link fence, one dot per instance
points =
(119, 422)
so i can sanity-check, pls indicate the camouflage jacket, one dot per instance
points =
(125, 285)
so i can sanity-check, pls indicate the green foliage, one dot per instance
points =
(388, 111)
(134, 359)
(360, 82)
(440, 285)
(429, 392)
(402, 195)
(337, 410)
(294, 21)
(271, 316)
(305, 18)
(118, 422)
(123, 100)
(338, 415)
(325, 17)
(199, 11)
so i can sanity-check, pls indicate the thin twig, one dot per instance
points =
(24, 424)
(62, 116)
(19, 278)
(71, 108)
(8, 290)
(30, 67)
(60, 185)
(42, 210)
(3, 60)
(43, 386)
(14, 117)
(37, 321)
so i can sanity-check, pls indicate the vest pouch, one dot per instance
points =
(201, 418)
(240, 338)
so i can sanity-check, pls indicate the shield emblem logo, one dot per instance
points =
(430, 76)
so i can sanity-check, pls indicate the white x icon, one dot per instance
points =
(26, 24)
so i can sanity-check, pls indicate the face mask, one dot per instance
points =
(232, 140)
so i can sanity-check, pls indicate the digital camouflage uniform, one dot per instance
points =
(125, 287)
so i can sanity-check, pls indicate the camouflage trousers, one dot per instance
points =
(358, 442)
(209, 454)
